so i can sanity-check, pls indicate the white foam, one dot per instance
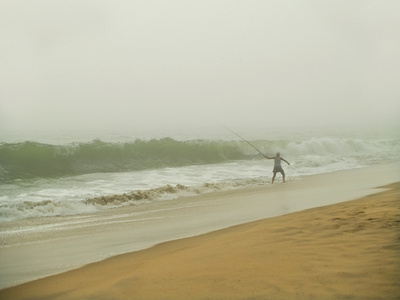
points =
(307, 155)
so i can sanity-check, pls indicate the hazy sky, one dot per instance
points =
(165, 64)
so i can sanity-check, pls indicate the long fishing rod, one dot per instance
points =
(246, 142)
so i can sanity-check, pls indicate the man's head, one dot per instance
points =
(278, 154)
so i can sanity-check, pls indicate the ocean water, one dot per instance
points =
(70, 173)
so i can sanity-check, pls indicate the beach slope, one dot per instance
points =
(349, 250)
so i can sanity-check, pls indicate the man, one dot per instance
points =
(277, 165)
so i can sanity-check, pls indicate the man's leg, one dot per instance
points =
(273, 177)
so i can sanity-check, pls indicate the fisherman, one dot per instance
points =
(277, 158)
(277, 165)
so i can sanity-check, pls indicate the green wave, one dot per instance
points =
(32, 159)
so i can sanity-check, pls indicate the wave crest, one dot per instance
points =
(136, 196)
(31, 159)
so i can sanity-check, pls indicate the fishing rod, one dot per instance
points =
(246, 142)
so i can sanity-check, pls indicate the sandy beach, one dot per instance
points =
(199, 150)
(349, 250)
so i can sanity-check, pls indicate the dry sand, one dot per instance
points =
(349, 250)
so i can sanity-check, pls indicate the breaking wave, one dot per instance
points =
(11, 210)
(31, 159)
(39, 179)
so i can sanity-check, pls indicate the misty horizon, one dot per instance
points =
(151, 65)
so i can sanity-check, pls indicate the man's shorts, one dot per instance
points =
(278, 169)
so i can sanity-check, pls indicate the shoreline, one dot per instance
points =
(69, 245)
(345, 250)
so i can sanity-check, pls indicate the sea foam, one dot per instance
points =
(48, 180)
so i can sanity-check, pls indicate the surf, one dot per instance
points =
(33, 159)
(28, 160)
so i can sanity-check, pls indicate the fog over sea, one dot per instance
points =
(148, 73)
(69, 173)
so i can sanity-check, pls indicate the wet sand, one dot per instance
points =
(39, 247)
(349, 250)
